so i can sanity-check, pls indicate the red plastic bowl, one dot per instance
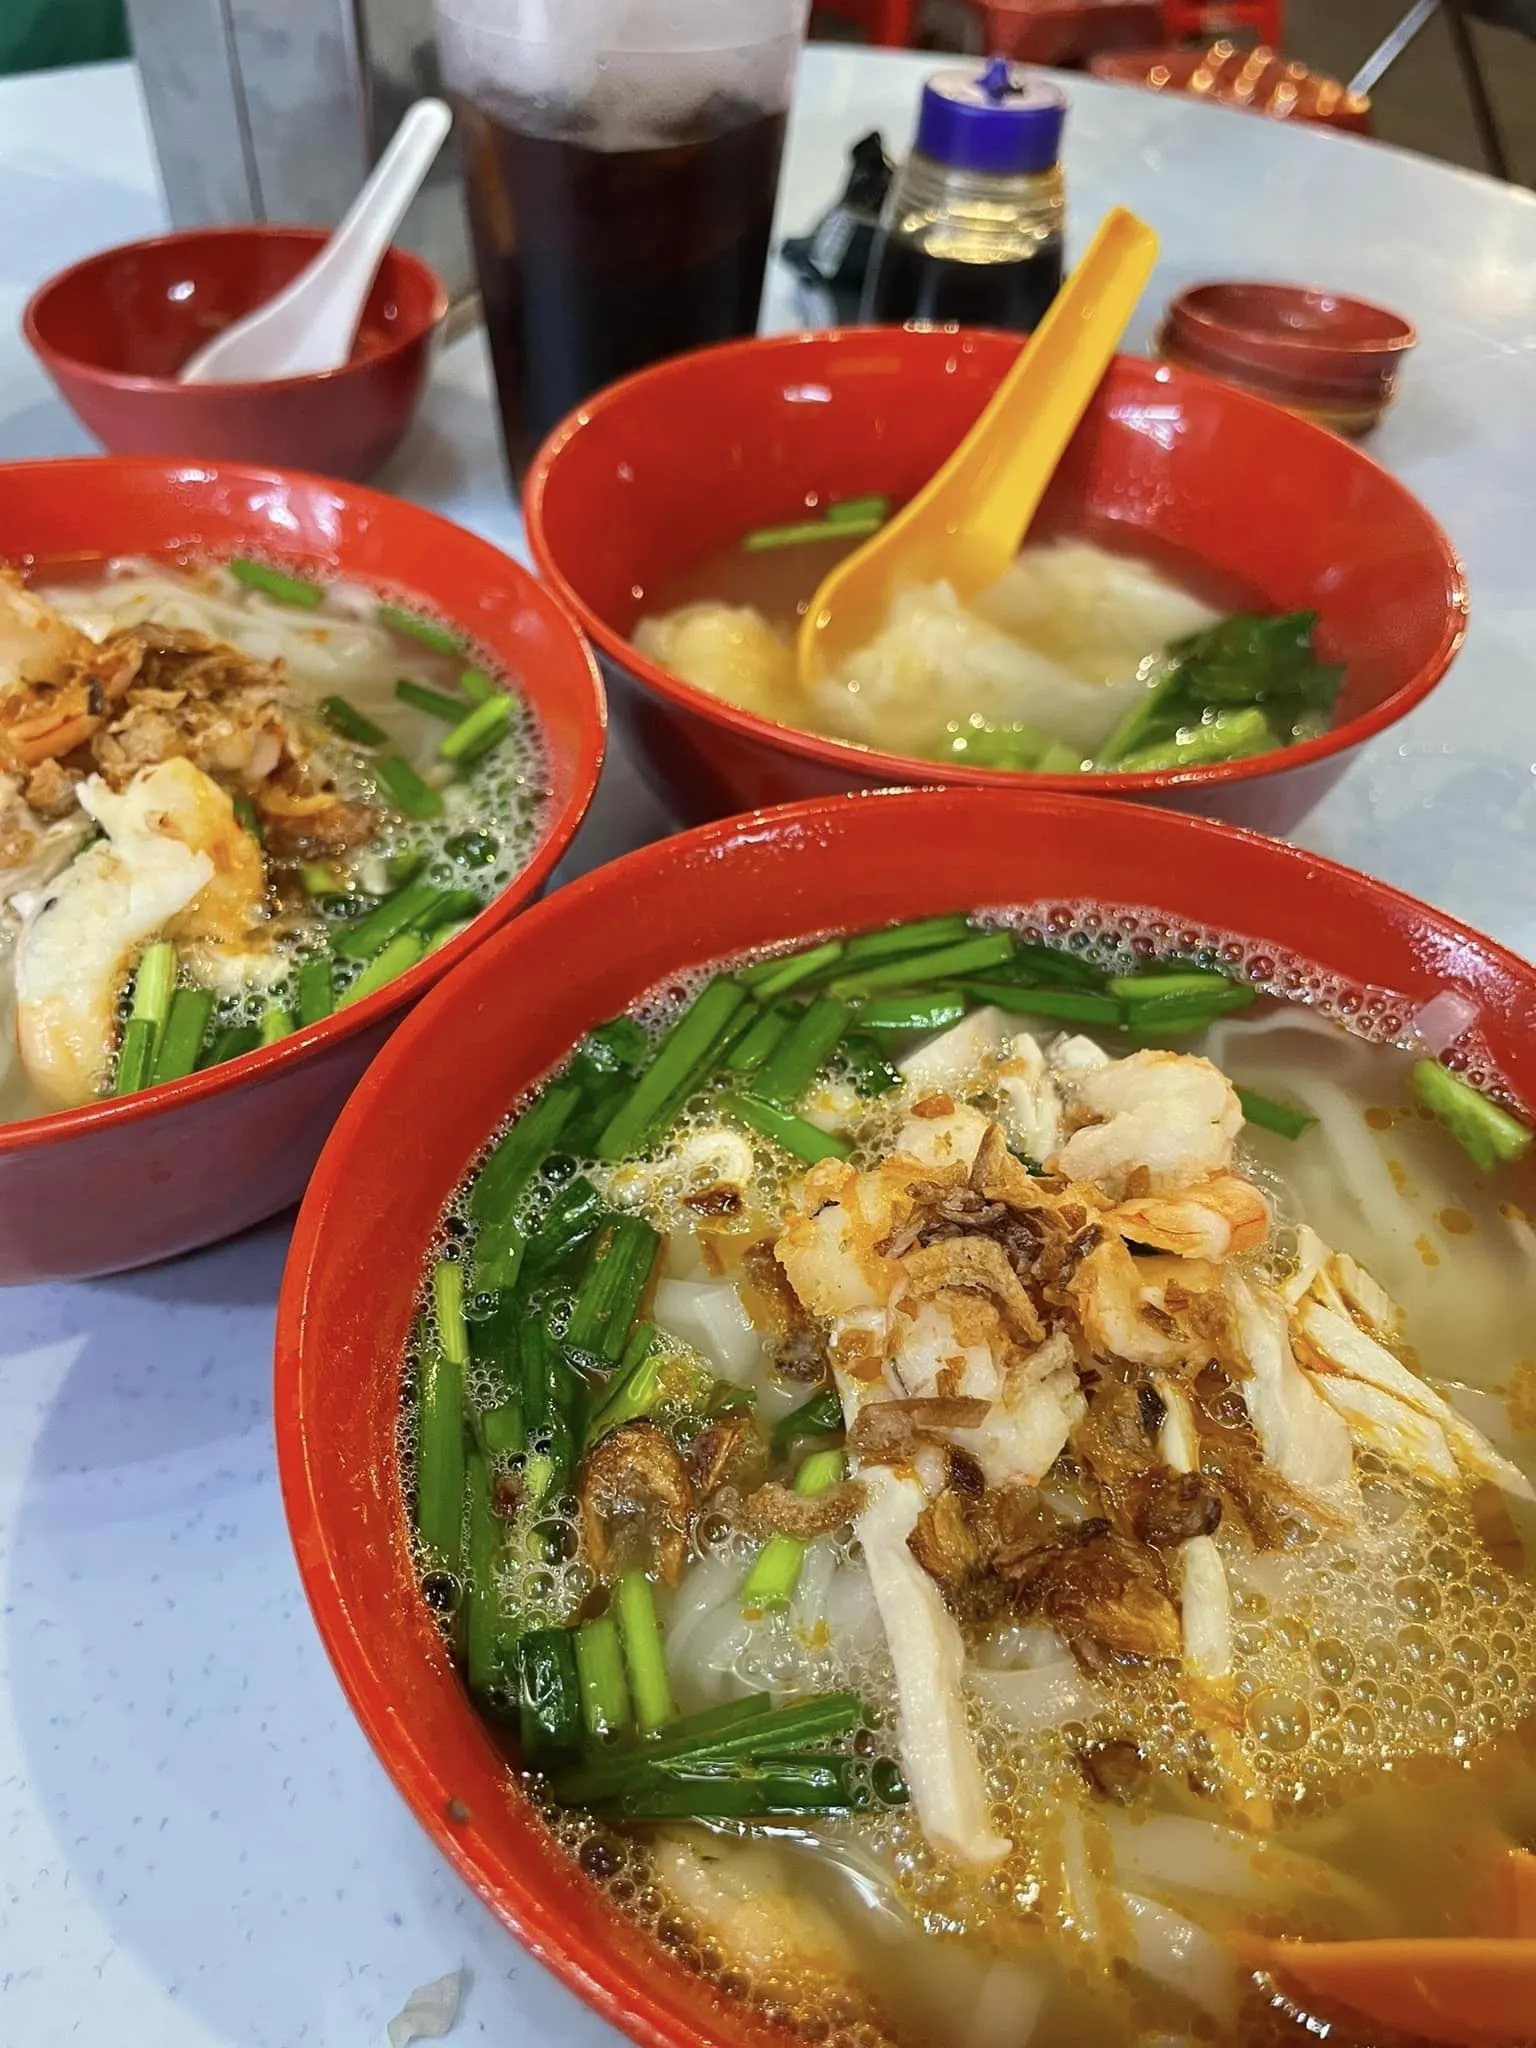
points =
(653, 472)
(122, 1183)
(113, 331)
(513, 1011)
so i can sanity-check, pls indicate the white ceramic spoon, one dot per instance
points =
(310, 325)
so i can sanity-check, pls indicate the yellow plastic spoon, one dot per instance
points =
(966, 525)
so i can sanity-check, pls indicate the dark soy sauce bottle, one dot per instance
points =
(972, 230)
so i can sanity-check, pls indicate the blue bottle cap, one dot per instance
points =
(1004, 120)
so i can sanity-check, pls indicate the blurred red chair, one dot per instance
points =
(1068, 32)
(1198, 20)
(889, 23)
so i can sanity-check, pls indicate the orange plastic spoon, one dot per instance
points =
(1472, 1992)
(966, 523)
(1478, 1993)
(1516, 1895)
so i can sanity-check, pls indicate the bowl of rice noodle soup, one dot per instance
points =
(939, 1445)
(275, 752)
(1216, 603)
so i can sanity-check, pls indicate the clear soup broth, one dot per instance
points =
(1085, 655)
(230, 802)
(982, 1473)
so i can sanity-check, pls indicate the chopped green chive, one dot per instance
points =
(1269, 1115)
(822, 1415)
(1068, 1005)
(920, 936)
(911, 1013)
(489, 1644)
(770, 978)
(842, 510)
(799, 1058)
(791, 1133)
(1489, 1135)
(479, 732)
(397, 958)
(397, 913)
(276, 1023)
(435, 703)
(230, 1043)
(426, 632)
(349, 723)
(600, 1673)
(182, 1039)
(516, 1158)
(315, 990)
(754, 1046)
(634, 1606)
(549, 1694)
(476, 685)
(681, 1058)
(611, 1289)
(773, 1578)
(969, 956)
(275, 584)
(1141, 988)
(411, 797)
(767, 538)
(440, 1453)
(153, 985)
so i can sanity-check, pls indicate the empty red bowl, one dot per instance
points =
(121, 1183)
(495, 1027)
(650, 475)
(113, 331)
(1336, 359)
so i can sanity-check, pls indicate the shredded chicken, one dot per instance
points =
(938, 1755)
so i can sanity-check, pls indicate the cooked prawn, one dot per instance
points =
(1220, 1216)
(1170, 1116)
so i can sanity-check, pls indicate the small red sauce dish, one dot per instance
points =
(479, 1041)
(112, 332)
(651, 475)
(123, 1182)
(1333, 359)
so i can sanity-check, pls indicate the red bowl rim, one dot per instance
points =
(578, 1955)
(1189, 306)
(267, 1061)
(862, 763)
(125, 380)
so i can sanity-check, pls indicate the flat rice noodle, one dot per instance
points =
(1182, 1957)
(1029, 1702)
(1008, 2008)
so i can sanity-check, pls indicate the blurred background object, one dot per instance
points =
(39, 35)
(1249, 76)
(1461, 87)
(276, 110)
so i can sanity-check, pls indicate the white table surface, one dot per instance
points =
(196, 1846)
